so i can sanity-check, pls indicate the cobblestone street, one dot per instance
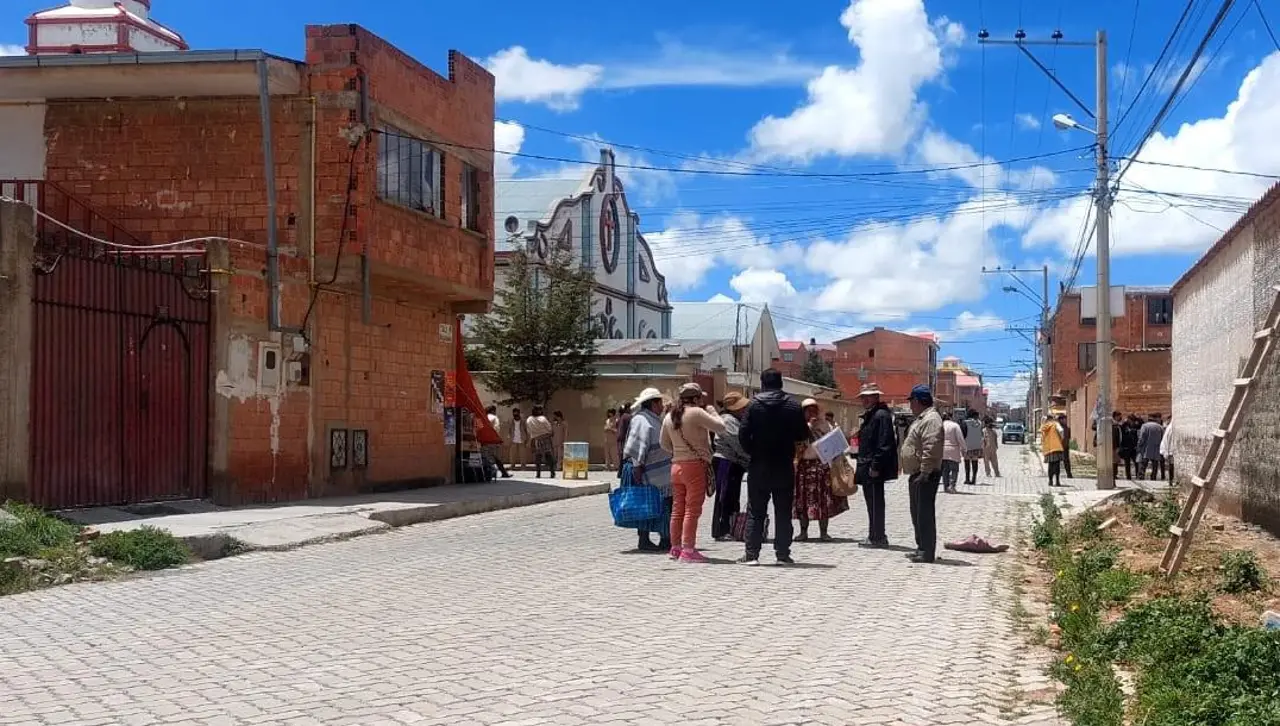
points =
(541, 615)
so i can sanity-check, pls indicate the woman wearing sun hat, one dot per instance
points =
(686, 433)
(814, 498)
(650, 463)
(731, 463)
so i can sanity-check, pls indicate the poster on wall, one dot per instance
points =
(437, 392)
(450, 427)
(450, 389)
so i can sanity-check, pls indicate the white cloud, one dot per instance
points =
(762, 286)
(12, 50)
(1012, 391)
(895, 268)
(678, 64)
(1027, 121)
(1242, 139)
(533, 80)
(873, 107)
(508, 136)
(940, 150)
(523, 78)
(692, 245)
(968, 322)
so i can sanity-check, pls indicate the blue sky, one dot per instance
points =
(808, 98)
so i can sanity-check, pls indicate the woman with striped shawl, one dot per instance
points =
(651, 464)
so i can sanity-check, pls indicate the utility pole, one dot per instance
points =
(1041, 379)
(1105, 455)
(1102, 200)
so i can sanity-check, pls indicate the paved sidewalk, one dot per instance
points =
(209, 529)
(543, 615)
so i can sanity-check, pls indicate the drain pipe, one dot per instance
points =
(269, 164)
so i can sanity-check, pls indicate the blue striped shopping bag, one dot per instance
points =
(635, 505)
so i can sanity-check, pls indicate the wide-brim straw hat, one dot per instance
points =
(806, 403)
(870, 389)
(690, 390)
(647, 395)
(734, 401)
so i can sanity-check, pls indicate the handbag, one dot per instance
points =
(738, 526)
(708, 472)
(635, 505)
(844, 480)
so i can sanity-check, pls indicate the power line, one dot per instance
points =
(1155, 67)
(1236, 172)
(1263, 17)
(1128, 54)
(1182, 79)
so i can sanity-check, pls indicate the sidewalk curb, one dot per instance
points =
(226, 543)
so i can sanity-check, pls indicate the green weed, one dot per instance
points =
(1241, 573)
(146, 548)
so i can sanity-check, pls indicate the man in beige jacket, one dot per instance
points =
(921, 460)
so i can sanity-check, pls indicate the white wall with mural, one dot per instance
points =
(593, 220)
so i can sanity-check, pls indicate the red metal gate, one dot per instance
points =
(120, 367)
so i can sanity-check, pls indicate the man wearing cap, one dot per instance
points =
(772, 428)
(877, 460)
(731, 464)
(650, 463)
(921, 460)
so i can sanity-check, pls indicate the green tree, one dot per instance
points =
(817, 371)
(540, 337)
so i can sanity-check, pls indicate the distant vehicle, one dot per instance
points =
(1013, 433)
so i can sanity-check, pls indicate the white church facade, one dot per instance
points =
(591, 219)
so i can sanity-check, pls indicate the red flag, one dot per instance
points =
(467, 396)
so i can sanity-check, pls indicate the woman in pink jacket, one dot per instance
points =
(952, 452)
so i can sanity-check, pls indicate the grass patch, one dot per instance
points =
(1190, 666)
(33, 531)
(146, 548)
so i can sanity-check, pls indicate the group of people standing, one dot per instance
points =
(691, 451)
(1145, 444)
(969, 440)
(542, 436)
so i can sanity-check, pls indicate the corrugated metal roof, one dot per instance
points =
(790, 344)
(967, 381)
(727, 320)
(630, 348)
(529, 199)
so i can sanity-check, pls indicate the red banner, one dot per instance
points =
(466, 393)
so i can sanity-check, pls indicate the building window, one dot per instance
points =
(1088, 356)
(470, 197)
(1160, 310)
(1088, 322)
(409, 172)
(789, 357)
(871, 353)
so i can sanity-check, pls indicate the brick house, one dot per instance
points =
(794, 354)
(895, 361)
(313, 355)
(1219, 304)
(1140, 383)
(960, 387)
(1143, 321)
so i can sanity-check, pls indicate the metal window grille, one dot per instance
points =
(1160, 310)
(410, 172)
(470, 197)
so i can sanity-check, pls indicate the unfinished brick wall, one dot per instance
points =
(1142, 382)
(1132, 330)
(173, 169)
(1213, 325)
(1259, 442)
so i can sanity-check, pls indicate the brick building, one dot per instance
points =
(960, 387)
(1140, 383)
(793, 355)
(312, 355)
(1219, 304)
(1143, 321)
(893, 360)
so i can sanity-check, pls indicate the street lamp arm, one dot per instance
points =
(1055, 80)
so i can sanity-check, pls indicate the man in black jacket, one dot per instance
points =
(774, 424)
(877, 460)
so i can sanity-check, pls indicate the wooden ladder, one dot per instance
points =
(1223, 438)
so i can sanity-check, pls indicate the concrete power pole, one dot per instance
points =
(1102, 200)
(1105, 455)
(1046, 357)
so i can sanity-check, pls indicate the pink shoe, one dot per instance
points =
(675, 552)
(693, 556)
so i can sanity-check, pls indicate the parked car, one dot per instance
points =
(1013, 433)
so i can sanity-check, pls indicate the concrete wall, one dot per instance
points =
(1213, 325)
(22, 145)
(1259, 453)
(17, 239)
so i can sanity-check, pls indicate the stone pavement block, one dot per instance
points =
(539, 615)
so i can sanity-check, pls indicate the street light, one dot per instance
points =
(1064, 122)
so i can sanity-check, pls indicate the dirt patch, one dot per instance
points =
(1141, 552)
